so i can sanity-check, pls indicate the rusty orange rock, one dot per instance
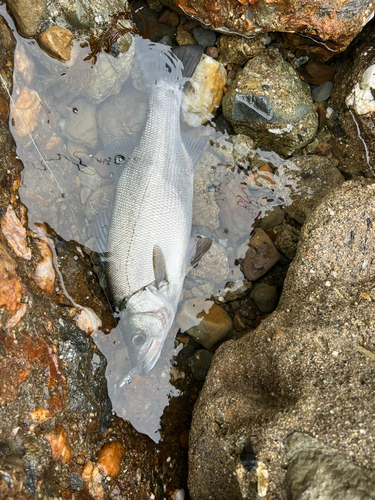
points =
(40, 415)
(59, 442)
(109, 458)
(15, 233)
(11, 288)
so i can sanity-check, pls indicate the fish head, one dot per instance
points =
(145, 323)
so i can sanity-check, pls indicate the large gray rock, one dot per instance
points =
(307, 368)
(268, 102)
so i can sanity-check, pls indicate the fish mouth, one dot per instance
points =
(146, 363)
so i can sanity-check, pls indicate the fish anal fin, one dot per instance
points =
(160, 270)
(189, 55)
(196, 249)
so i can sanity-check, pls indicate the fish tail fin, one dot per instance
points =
(161, 63)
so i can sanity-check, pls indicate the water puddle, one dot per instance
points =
(63, 120)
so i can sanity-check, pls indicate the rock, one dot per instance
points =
(204, 92)
(212, 268)
(184, 37)
(310, 373)
(89, 178)
(27, 14)
(322, 92)
(148, 22)
(205, 210)
(317, 73)
(237, 49)
(335, 27)
(121, 116)
(286, 239)
(25, 112)
(206, 322)
(15, 234)
(98, 201)
(80, 125)
(273, 217)
(57, 42)
(260, 256)
(265, 297)
(325, 474)
(205, 38)
(45, 274)
(353, 105)
(268, 102)
(59, 442)
(109, 458)
(200, 364)
(212, 52)
(11, 287)
(169, 18)
(317, 176)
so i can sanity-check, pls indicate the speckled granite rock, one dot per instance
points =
(307, 368)
(268, 102)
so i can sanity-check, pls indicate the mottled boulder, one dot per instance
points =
(268, 102)
(353, 117)
(335, 24)
(308, 368)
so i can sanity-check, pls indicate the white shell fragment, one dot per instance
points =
(45, 275)
(15, 234)
(361, 98)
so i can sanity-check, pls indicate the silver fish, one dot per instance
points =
(149, 250)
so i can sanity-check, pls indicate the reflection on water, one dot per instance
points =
(64, 119)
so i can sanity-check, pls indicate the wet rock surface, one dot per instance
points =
(352, 101)
(309, 356)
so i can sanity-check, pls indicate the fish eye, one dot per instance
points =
(75, 110)
(138, 339)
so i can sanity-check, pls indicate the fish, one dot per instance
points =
(148, 248)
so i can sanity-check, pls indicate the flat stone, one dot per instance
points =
(322, 92)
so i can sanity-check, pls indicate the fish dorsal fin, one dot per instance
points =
(160, 270)
(195, 147)
(118, 153)
(197, 247)
(189, 55)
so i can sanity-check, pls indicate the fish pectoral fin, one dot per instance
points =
(195, 147)
(160, 270)
(196, 249)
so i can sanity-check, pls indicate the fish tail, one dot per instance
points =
(161, 63)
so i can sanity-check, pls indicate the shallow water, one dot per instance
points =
(69, 177)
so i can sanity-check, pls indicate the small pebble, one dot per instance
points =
(212, 52)
(322, 92)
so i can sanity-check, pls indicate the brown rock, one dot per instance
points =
(286, 239)
(40, 415)
(11, 288)
(260, 256)
(237, 49)
(335, 26)
(316, 73)
(212, 52)
(109, 458)
(57, 42)
(92, 476)
(59, 442)
(169, 18)
(205, 321)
